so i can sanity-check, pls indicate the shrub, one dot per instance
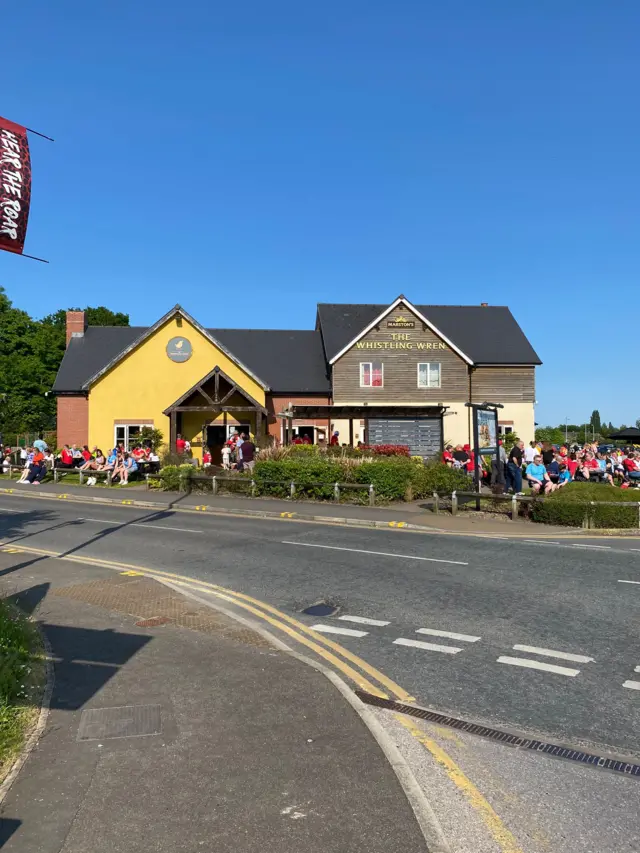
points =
(570, 505)
(386, 449)
(435, 476)
(392, 478)
(314, 477)
(175, 478)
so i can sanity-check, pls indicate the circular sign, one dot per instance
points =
(179, 349)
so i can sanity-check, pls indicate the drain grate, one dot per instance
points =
(321, 609)
(128, 721)
(617, 766)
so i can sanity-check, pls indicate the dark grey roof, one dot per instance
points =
(487, 335)
(288, 361)
(87, 355)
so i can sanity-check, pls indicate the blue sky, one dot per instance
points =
(250, 159)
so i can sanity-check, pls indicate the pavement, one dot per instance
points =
(411, 515)
(175, 728)
(533, 636)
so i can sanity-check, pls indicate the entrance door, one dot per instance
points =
(422, 435)
(214, 439)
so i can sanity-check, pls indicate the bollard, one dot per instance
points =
(336, 492)
(372, 495)
(253, 488)
(454, 503)
(292, 490)
(214, 485)
(514, 508)
(436, 503)
(146, 477)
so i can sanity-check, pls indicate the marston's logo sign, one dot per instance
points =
(179, 349)
(401, 323)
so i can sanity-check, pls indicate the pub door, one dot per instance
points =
(215, 437)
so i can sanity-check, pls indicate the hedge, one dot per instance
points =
(572, 504)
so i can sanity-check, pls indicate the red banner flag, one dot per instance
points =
(15, 185)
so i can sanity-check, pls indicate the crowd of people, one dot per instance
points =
(546, 467)
(238, 453)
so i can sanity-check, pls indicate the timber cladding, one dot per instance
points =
(503, 385)
(400, 350)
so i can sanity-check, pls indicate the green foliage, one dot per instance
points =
(155, 437)
(30, 355)
(19, 644)
(314, 476)
(553, 434)
(572, 504)
(509, 439)
(595, 420)
(176, 478)
(436, 477)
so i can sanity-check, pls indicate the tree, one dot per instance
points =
(638, 423)
(595, 421)
(555, 435)
(30, 355)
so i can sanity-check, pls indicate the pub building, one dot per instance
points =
(376, 374)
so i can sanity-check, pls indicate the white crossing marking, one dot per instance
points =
(541, 542)
(465, 638)
(635, 582)
(431, 647)
(363, 620)
(601, 547)
(637, 669)
(333, 629)
(535, 664)
(10, 510)
(376, 553)
(632, 685)
(551, 653)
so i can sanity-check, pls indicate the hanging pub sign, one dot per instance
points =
(487, 431)
(15, 185)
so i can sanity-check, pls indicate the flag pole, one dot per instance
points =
(37, 133)
(33, 257)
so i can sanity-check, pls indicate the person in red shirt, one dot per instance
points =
(335, 439)
(37, 469)
(86, 453)
(447, 456)
(572, 465)
(180, 445)
(66, 457)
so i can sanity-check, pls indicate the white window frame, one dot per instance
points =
(371, 363)
(126, 428)
(428, 364)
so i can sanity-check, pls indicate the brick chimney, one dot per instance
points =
(75, 325)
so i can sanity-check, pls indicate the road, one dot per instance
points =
(534, 636)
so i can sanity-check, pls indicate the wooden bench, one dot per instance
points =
(108, 475)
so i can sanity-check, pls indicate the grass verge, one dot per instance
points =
(22, 679)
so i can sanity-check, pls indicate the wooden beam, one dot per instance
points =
(205, 395)
(172, 431)
(230, 393)
(217, 407)
(217, 386)
(350, 432)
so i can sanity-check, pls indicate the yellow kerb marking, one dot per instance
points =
(287, 514)
(61, 496)
(11, 551)
(127, 502)
(505, 840)
(201, 508)
(132, 574)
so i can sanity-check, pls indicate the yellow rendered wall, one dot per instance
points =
(146, 382)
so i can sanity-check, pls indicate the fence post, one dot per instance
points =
(253, 488)
(110, 478)
(56, 474)
(514, 508)
(436, 503)
(454, 503)
(214, 485)
(292, 490)
(146, 477)
(372, 495)
(336, 492)
(638, 513)
(81, 477)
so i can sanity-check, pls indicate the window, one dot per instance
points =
(371, 374)
(428, 375)
(128, 434)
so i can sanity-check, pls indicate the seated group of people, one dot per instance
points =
(547, 468)
(120, 462)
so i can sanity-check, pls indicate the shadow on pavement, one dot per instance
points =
(8, 826)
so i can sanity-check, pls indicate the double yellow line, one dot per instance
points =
(361, 673)
(358, 671)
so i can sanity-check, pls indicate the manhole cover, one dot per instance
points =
(128, 721)
(321, 609)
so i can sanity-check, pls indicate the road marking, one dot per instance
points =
(333, 629)
(142, 524)
(634, 582)
(632, 685)
(540, 542)
(11, 551)
(132, 574)
(363, 620)
(600, 547)
(430, 647)
(465, 638)
(551, 653)
(536, 664)
(10, 510)
(637, 669)
(504, 839)
(375, 553)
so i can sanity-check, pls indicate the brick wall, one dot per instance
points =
(276, 404)
(73, 420)
(75, 324)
